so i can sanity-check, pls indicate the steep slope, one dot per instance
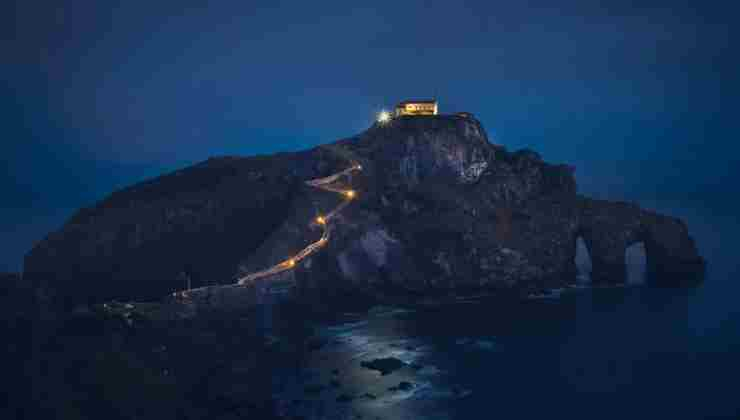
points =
(439, 208)
(200, 220)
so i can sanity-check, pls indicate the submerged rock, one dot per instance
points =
(402, 386)
(384, 366)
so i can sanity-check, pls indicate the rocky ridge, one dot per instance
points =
(441, 210)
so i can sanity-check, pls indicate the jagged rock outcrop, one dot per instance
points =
(440, 208)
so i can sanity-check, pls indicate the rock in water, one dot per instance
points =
(439, 208)
(402, 386)
(384, 366)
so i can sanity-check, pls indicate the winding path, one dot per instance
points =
(324, 184)
(289, 263)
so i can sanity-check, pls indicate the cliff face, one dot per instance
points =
(439, 208)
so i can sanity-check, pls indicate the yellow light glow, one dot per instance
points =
(384, 116)
(320, 220)
(291, 262)
(349, 194)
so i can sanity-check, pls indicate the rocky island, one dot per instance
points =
(440, 209)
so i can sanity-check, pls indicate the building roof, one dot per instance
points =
(426, 101)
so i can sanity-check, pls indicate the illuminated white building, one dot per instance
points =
(416, 108)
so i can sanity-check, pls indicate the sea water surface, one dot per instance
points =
(583, 353)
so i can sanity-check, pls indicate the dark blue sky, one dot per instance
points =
(98, 95)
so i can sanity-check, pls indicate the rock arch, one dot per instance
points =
(612, 227)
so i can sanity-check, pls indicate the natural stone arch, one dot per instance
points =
(606, 245)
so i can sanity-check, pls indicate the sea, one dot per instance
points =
(631, 352)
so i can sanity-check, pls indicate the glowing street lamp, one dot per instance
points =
(384, 116)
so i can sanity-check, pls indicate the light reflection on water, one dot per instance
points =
(632, 352)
